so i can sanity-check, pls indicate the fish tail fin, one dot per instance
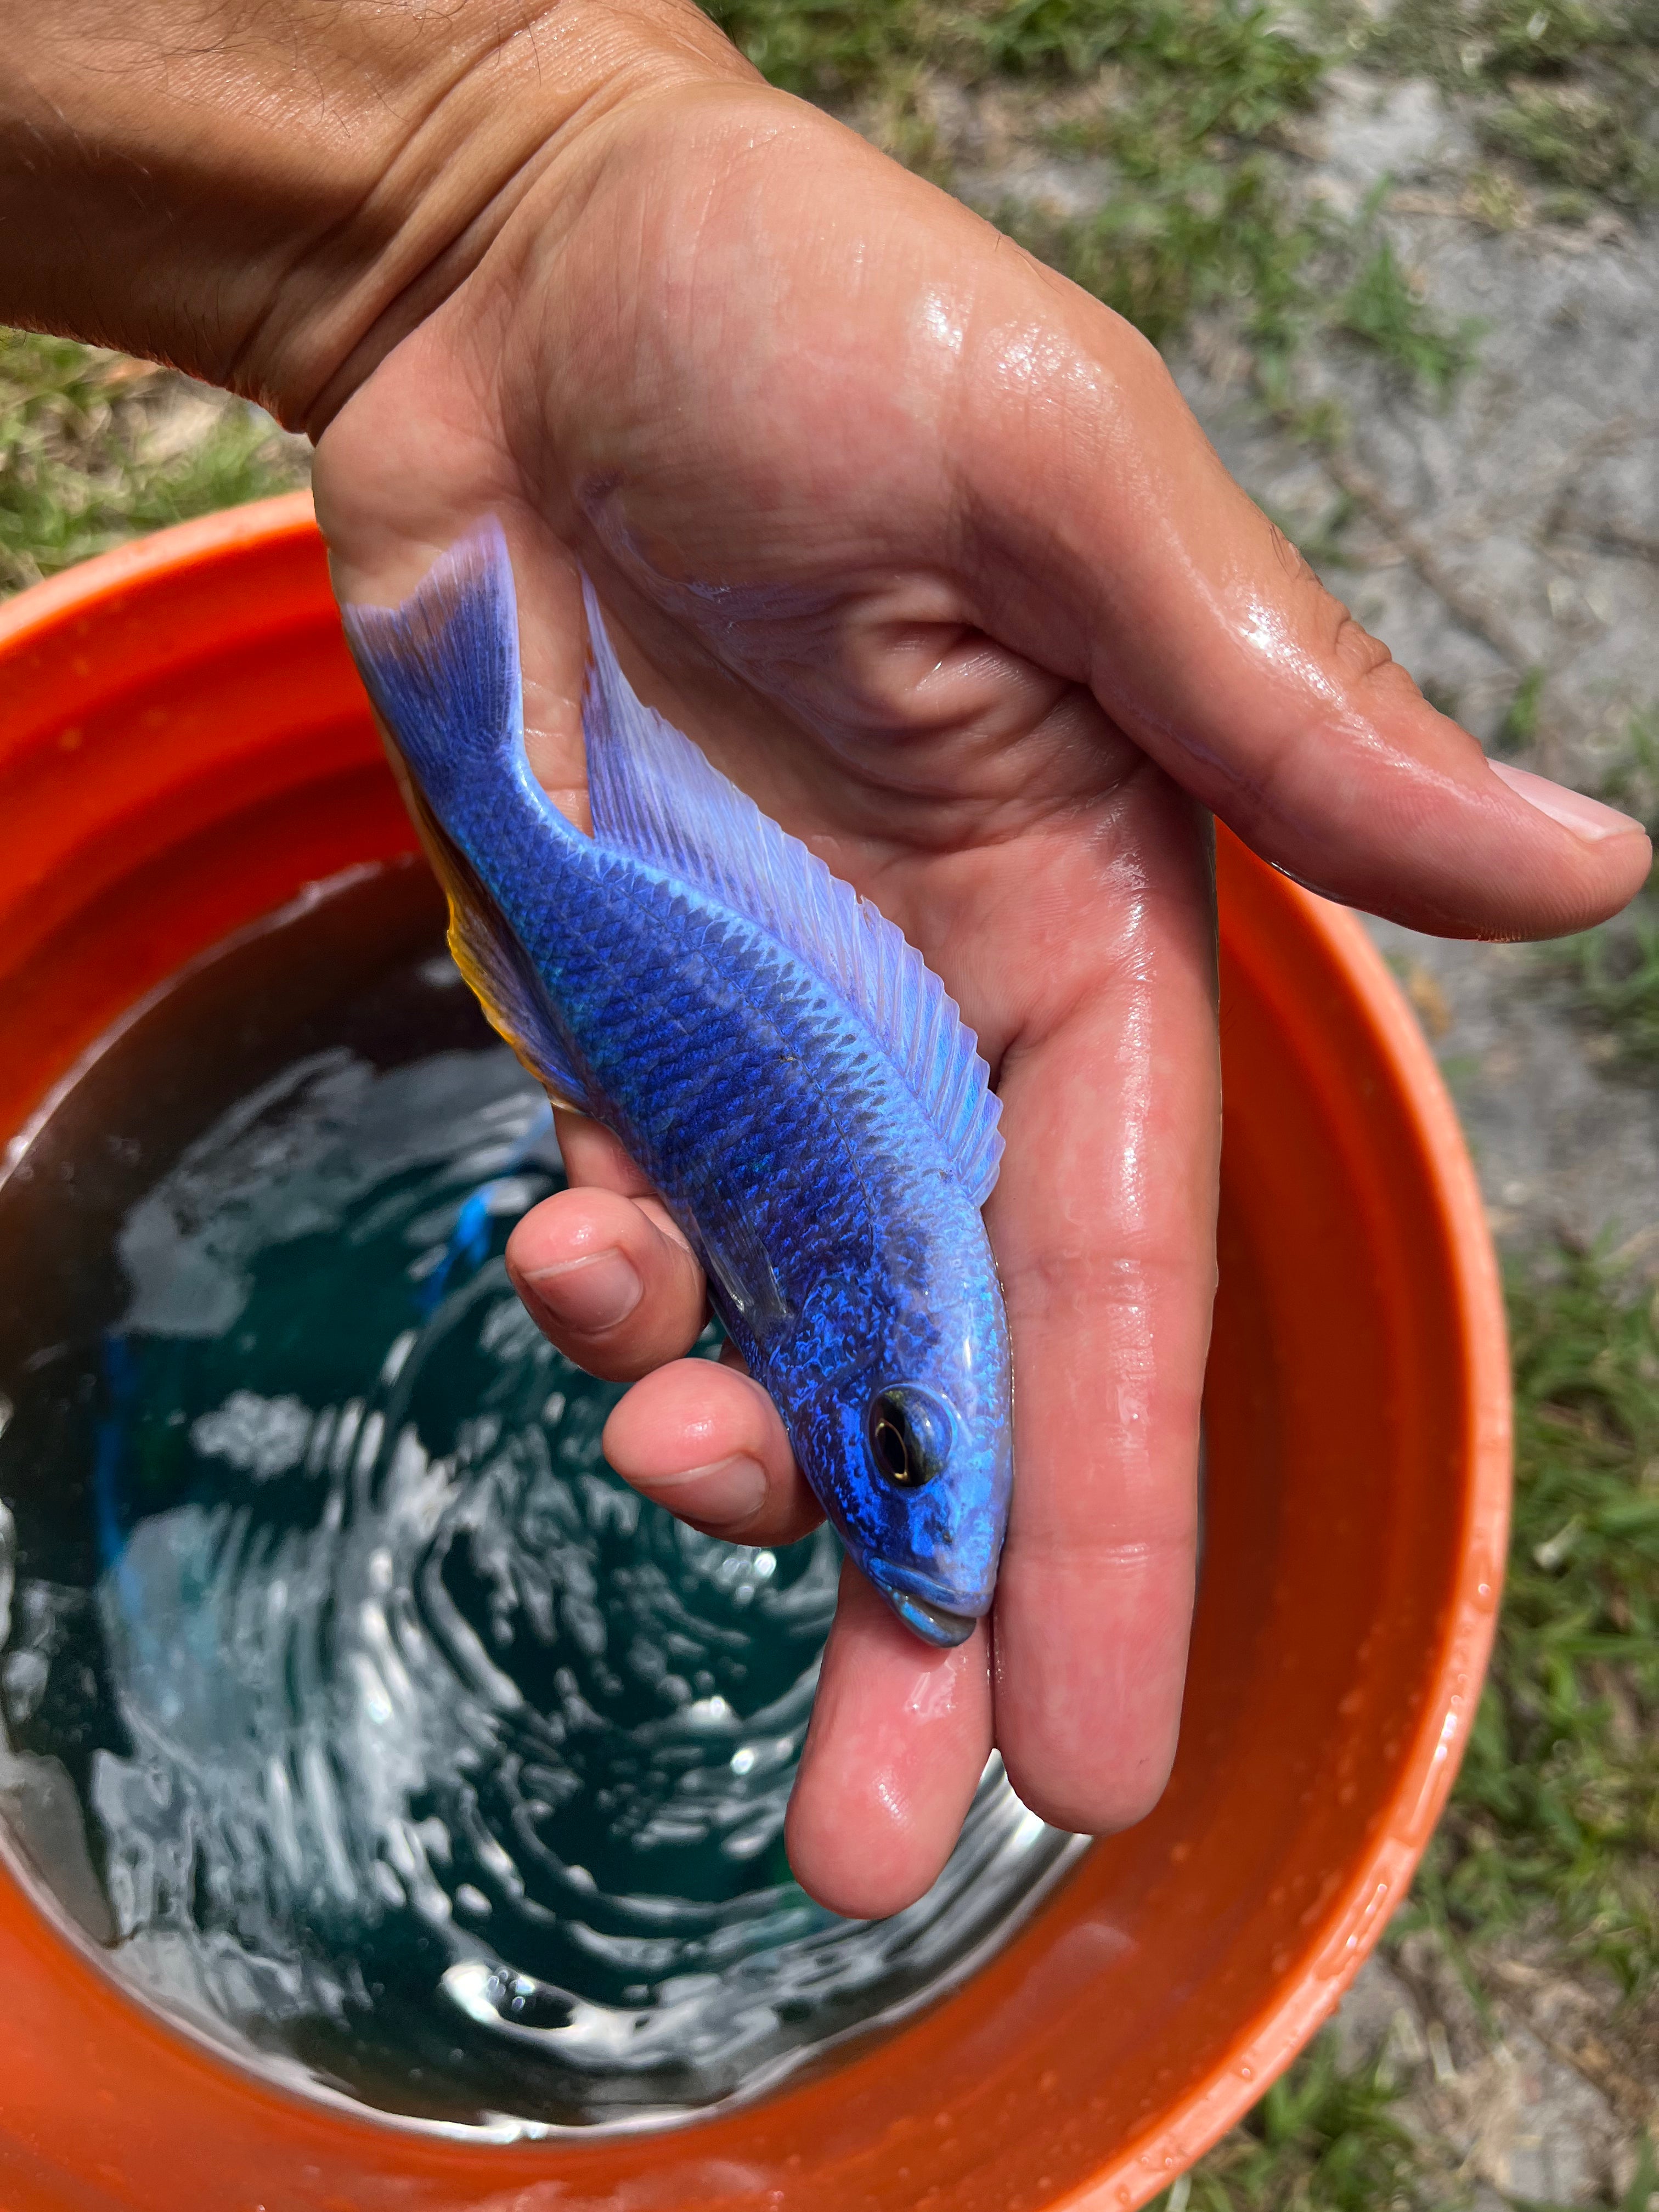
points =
(442, 671)
(442, 668)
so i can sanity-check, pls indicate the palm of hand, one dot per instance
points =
(921, 546)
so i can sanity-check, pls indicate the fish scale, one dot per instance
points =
(778, 1061)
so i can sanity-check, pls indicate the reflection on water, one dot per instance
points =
(348, 1699)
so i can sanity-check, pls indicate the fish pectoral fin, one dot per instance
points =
(743, 1277)
(655, 796)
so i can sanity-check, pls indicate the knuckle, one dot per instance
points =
(1291, 557)
(1359, 657)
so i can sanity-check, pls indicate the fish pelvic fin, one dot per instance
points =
(654, 795)
(442, 671)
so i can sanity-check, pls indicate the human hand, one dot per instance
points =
(921, 545)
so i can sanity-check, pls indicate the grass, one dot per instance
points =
(822, 49)
(1573, 135)
(87, 458)
(1555, 1819)
(1519, 726)
(1566, 91)
(1556, 1812)
(1382, 307)
(1616, 971)
(1185, 240)
(1638, 2197)
(1225, 64)
(1320, 2141)
(1188, 105)
(1632, 782)
(1197, 213)
(1201, 213)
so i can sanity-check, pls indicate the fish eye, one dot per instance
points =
(909, 1432)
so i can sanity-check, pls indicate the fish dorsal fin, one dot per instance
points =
(654, 795)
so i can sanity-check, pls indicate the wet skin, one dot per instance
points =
(922, 545)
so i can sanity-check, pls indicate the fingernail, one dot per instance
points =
(589, 1294)
(724, 1495)
(1585, 817)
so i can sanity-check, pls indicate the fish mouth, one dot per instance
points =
(933, 1624)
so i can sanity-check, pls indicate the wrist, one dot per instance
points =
(273, 206)
(525, 115)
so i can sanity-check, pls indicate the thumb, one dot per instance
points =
(1115, 545)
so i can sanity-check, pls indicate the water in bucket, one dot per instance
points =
(348, 1704)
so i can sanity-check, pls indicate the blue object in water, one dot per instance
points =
(469, 1241)
(774, 1054)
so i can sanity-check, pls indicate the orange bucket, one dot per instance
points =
(183, 745)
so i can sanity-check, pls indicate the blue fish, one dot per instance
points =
(773, 1054)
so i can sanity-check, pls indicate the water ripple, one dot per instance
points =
(411, 1750)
